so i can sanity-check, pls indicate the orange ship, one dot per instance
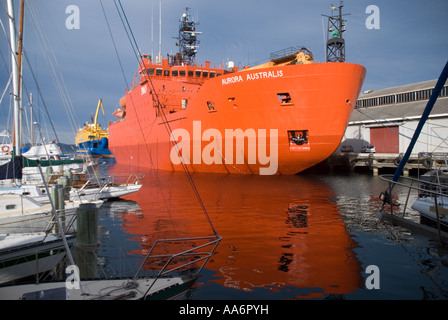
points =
(280, 117)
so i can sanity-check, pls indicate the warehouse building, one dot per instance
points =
(387, 119)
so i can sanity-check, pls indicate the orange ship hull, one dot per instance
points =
(242, 122)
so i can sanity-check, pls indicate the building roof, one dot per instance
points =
(399, 111)
(430, 84)
(402, 110)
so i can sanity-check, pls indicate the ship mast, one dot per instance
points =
(188, 42)
(335, 42)
(160, 32)
(16, 72)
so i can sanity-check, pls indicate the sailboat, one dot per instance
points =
(187, 264)
(27, 244)
(23, 214)
(432, 201)
(105, 188)
(27, 254)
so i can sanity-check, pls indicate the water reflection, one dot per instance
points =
(277, 231)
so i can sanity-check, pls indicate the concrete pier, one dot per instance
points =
(378, 162)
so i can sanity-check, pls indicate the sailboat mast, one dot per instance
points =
(160, 31)
(20, 77)
(15, 77)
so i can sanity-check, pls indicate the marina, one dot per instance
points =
(215, 179)
(312, 238)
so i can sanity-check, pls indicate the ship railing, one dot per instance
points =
(115, 179)
(434, 189)
(193, 260)
(285, 53)
(133, 178)
(424, 187)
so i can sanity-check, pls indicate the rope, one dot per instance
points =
(138, 119)
(160, 108)
(113, 41)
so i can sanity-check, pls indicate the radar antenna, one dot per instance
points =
(335, 42)
(188, 42)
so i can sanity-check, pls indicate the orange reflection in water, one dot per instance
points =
(277, 231)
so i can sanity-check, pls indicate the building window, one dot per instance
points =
(424, 94)
(386, 100)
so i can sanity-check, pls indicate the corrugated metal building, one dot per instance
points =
(387, 119)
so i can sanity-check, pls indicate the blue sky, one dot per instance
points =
(411, 45)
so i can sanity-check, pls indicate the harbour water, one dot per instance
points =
(310, 236)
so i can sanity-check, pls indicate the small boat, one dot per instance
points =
(26, 254)
(50, 154)
(105, 188)
(78, 188)
(91, 140)
(432, 201)
(118, 113)
(168, 288)
(428, 209)
(23, 214)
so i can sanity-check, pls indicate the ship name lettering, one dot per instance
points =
(265, 75)
(253, 76)
(232, 79)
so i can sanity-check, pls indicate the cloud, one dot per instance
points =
(410, 45)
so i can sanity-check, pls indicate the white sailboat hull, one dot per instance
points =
(110, 289)
(103, 193)
(426, 207)
(22, 214)
(24, 255)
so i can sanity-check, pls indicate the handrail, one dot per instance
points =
(420, 181)
(428, 189)
(203, 256)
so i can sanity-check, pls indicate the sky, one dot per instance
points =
(68, 68)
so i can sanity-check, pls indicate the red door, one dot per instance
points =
(385, 139)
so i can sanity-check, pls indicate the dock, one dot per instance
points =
(378, 163)
(433, 233)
